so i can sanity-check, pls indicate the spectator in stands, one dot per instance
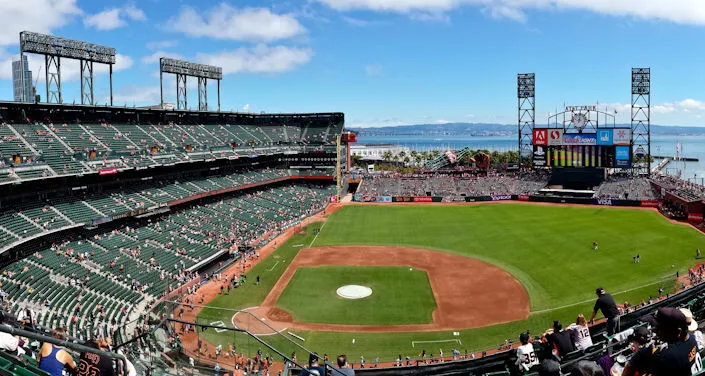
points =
(53, 359)
(549, 367)
(8, 342)
(526, 357)
(677, 358)
(581, 333)
(605, 303)
(560, 340)
(343, 367)
(94, 364)
(313, 367)
(587, 368)
(693, 328)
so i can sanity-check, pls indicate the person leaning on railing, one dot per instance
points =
(53, 359)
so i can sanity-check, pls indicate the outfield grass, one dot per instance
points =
(547, 248)
(399, 296)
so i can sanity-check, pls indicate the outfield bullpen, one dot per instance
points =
(546, 248)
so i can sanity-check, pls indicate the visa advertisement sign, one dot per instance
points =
(579, 139)
(604, 137)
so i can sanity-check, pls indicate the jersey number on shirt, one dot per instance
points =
(698, 365)
(529, 358)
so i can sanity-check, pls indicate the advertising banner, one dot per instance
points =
(401, 199)
(365, 198)
(649, 203)
(100, 221)
(621, 153)
(385, 199)
(539, 159)
(604, 201)
(695, 217)
(108, 171)
(604, 137)
(579, 139)
(524, 197)
(555, 137)
(541, 137)
(622, 136)
(423, 199)
(621, 164)
(501, 197)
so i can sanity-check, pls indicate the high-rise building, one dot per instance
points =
(18, 88)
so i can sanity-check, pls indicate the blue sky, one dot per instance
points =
(386, 62)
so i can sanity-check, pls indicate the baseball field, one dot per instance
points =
(443, 277)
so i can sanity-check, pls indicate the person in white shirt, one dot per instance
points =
(526, 356)
(581, 333)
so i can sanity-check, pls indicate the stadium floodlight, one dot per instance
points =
(168, 65)
(183, 69)
(526, 94)
(54, 48)
(641, 119)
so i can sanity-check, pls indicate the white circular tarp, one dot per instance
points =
(353, 291)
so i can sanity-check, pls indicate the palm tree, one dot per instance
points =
(387, 156)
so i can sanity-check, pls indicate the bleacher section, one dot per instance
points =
(37, 150)
(106, 281)
(23, 222)
(447, 186)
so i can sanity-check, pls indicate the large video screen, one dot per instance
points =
(605, 148)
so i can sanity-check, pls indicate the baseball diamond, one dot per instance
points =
(493, 268)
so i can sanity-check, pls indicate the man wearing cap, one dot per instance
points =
(693, 328)
(526, 357)
(605, 303)
(678, 356)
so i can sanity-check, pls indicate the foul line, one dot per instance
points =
(413, 343)
(273, 266)
(592, 300)
(319, 233)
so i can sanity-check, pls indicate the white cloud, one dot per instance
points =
(114, 18)
(137, 94)
(441, 121)
(161, 44)
(246, 107)
(153, 58)
(227, 22)
(373, 69)
(259, 59)
(679, 11)
(134, 13)
(41, 16)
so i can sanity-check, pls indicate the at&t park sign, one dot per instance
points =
(580, 108)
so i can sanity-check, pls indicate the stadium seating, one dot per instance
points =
(46, 150)
(126, 269)
(447, 186)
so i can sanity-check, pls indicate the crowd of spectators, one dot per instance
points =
(449, 186)
(626, 188)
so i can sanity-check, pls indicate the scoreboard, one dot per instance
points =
(605, 148)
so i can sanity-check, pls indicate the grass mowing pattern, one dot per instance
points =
(547, 248)
(399, 296)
